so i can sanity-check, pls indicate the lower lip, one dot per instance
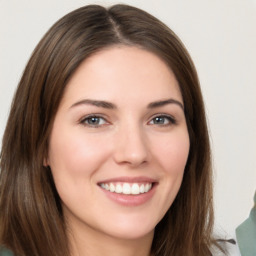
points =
(130, 200)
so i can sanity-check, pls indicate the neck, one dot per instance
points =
(95, 243)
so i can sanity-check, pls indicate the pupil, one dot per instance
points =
(159, 120)
(94, 120)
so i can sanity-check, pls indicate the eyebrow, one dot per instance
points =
(97, 103)
(161, 103)
(109, 105)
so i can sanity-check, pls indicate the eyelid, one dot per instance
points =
(171, 118)
(84, 118)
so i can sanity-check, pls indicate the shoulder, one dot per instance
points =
(5, 252)
(246, 233)
(229, 249)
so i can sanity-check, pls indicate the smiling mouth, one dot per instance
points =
(127, 188)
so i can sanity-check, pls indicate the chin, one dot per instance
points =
(131, 234)
(131, 229)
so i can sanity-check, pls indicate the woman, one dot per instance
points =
(106, 149)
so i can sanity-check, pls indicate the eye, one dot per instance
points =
(162, 120)
(93, 121)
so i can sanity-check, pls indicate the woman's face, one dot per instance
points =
(119, 144)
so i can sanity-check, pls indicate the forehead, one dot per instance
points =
(122, 72)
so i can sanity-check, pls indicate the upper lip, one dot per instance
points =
(129, 179)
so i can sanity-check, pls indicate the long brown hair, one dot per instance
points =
(31, 220)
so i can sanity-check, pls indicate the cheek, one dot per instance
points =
(73, 153)
(173, 153)
(173, 157)
(74, 158)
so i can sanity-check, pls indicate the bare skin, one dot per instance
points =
(118, 150)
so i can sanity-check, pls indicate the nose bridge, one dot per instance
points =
(131, 144)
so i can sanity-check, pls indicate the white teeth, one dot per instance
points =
(142, 188)
(135, 189)
(127, 188)
(147, 187)
(111, 187)
(118, 189)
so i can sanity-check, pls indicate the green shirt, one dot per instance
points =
(246, 234)
(5, 252)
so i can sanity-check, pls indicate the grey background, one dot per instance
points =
(221, 38)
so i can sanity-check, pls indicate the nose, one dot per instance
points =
(131, 146)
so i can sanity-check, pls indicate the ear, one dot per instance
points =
(46, 162)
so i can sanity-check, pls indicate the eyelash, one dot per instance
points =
(85, 121)
(171, 120)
